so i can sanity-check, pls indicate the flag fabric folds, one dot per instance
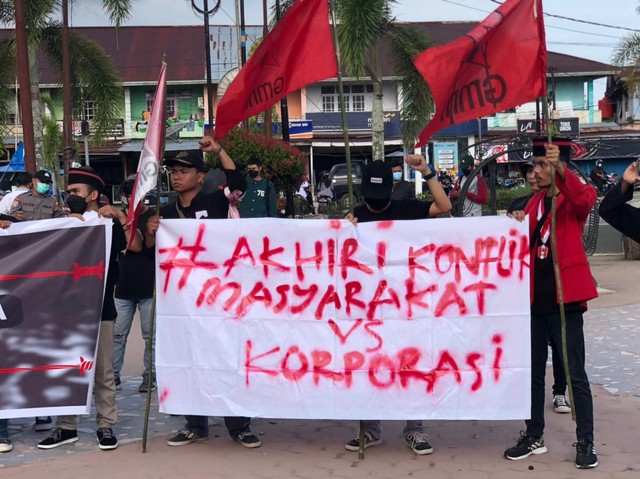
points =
(151, 154)
(498, 65)
(297, 52)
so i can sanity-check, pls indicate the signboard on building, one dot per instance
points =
(569, 127)
(492, 149)
(445, 155)
(356, 121)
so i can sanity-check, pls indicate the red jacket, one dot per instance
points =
(573, 205)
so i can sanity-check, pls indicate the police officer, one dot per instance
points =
(37, 204)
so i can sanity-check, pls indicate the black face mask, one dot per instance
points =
(253, 173)
(377, 204)
(466, 172)
(77, 204)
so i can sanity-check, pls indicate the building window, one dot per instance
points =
(171, 110)
(354, 97)
(89, 110)
(329, 98)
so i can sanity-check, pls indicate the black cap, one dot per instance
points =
(192, 159)
(86, 176)
(465, 160)
(43, 176)
(377, 181)
(563, 144)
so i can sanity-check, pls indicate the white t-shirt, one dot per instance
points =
(7, 201)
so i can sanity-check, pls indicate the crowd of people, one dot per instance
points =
(129, 286)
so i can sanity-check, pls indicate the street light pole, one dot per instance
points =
(66, 94)
(284, 107)
(206, 13)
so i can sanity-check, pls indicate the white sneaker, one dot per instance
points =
(5, 445)
(560, 404)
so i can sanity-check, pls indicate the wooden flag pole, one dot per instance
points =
(347, 150)
(556, 265)
(152, 319)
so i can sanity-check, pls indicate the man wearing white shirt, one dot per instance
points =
(23, 180)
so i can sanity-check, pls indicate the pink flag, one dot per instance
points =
(151, 154)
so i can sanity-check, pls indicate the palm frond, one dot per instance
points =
(361, 23)
(118, 10)
(94, 77)
(53, 140)
(417, 102)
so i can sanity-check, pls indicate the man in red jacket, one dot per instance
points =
(574, 201)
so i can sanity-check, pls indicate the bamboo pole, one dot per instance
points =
(556, 266)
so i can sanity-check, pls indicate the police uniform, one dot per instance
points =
(35, 206)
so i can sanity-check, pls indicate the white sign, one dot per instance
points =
(320, 319)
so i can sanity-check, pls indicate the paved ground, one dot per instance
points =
(314, 449)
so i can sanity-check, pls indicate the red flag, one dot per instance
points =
(500, 64)
(297, 52)
(151, 154)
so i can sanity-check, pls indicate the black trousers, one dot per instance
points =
(544, 328)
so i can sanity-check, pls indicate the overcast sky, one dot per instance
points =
(584, 40)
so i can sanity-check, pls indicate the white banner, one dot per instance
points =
(320, 319)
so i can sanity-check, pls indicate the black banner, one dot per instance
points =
(51, 292)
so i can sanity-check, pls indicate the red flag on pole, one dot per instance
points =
(500, 64)
(151, 154)
(297, 52)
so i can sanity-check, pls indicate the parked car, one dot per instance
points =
(338, 177)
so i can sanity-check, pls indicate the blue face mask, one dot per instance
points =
(397, 175)
(42, 188)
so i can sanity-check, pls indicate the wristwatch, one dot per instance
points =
(429, 176)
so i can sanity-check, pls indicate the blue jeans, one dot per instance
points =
(4, 429)
(126, 309)
(235, 425)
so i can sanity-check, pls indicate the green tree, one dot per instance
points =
(94, 76)
(362, 28)
(627, 55)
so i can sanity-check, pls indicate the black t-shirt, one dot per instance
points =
(545, 298)
(211, 206)
(137, 270)
(118, 243)
(397, 210)
(519, 203)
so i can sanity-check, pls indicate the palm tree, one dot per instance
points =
(362, 27)
(94, 76)
(627, 54)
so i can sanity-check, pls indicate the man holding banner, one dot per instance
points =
(574, 203)
(377, 188)
(85, 187)
(187, 176)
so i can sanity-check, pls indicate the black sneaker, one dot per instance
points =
(525, 446)
(106, 439)
(560, 404)
(118, 384)
(586, 457)
(59, 437)
(184, 437)
(354, 444)
(143, 388)
(247, 439)
(418, 443)
(5, 445)
(43, 424)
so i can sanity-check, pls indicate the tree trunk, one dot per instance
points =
(377, 123)
(36, 108)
